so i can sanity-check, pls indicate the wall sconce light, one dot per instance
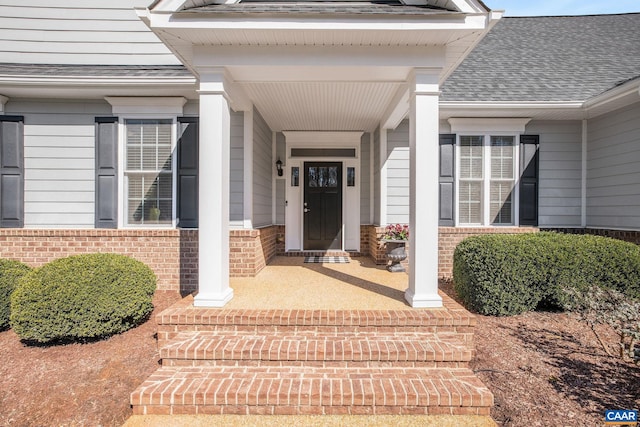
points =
(279, 167)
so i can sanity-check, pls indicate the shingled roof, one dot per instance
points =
(549, 59)
(111, 71)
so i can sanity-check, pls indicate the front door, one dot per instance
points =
(322, 205)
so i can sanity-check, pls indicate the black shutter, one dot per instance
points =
(188, 172)
(106, 214)
(11, 171)
(447, 180)
(529, 145)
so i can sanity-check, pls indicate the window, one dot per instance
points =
(148, 172)
(486, 180)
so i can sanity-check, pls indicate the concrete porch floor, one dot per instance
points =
(289, 283)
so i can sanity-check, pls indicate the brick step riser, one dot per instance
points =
(305, 410)
(316, 364)
(464, 334)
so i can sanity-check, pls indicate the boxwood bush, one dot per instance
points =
(82, 297)
(10, 272)
(510, 274)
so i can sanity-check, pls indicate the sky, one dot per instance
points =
(563, 7)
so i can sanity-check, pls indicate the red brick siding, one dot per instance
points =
(159, 249)
(626, 235)
(449, 237)
(251, 250)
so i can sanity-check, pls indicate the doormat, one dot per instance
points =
(326, 260)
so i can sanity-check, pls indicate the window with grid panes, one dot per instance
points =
(502, 180)
(471, 179)
(149, 172)
(486, 180)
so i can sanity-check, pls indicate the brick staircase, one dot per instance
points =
(297, 362)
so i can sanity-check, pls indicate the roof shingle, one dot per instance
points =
(549, 59)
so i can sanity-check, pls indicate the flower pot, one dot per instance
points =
(396, 253)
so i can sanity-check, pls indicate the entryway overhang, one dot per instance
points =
(320, 66)
(352, 59)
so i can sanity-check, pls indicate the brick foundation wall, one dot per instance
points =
(161, 250)
(188, 261)
(626, 235)
(251, 250)
(171, 254)
(449, 237)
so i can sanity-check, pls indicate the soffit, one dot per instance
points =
(317, 106)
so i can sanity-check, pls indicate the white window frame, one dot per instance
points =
(146, 108)
(123, 198)
(488, 127)
(486, 179)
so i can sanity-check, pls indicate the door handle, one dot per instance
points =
(306, 210)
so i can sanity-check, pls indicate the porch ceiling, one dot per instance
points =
(322, 105)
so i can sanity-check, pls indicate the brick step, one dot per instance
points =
(307, 390)
(184, 317)
(364, 349)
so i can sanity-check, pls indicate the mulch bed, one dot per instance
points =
(545, 369)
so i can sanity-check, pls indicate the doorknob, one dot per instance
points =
(307, 210)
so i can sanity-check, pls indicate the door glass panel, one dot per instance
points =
(295, 176)
(351, 177)
(322, 177)
(333, 177)
(313, 177)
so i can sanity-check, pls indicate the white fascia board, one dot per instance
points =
(453, 21)
(146, 105)
(627, 89)
(327, 56)
(468, 6)
(3, 100)
(488, 124)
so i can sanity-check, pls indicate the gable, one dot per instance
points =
(466, 6)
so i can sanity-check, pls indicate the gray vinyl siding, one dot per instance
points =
(78, 32)
(236, 171)
(398, 174)
(59, 161)
(376, 176)
(365, 178)
(262, 171)
(560, 173)
(613, 170)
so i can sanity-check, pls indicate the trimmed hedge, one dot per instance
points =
(82, 297)
(10, 272)
(504, 275)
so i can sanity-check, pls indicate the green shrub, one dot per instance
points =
(82, 297)
(510, 274)
(10, 272)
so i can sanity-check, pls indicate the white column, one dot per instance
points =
(3, 100)
(423, 196)
(247, 180)
(384, 182)
(213, 234)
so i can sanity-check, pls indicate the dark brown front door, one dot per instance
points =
(322, 205)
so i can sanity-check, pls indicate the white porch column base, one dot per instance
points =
(423, 300)
(423, 202)
(213, 193)
(213, 299)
